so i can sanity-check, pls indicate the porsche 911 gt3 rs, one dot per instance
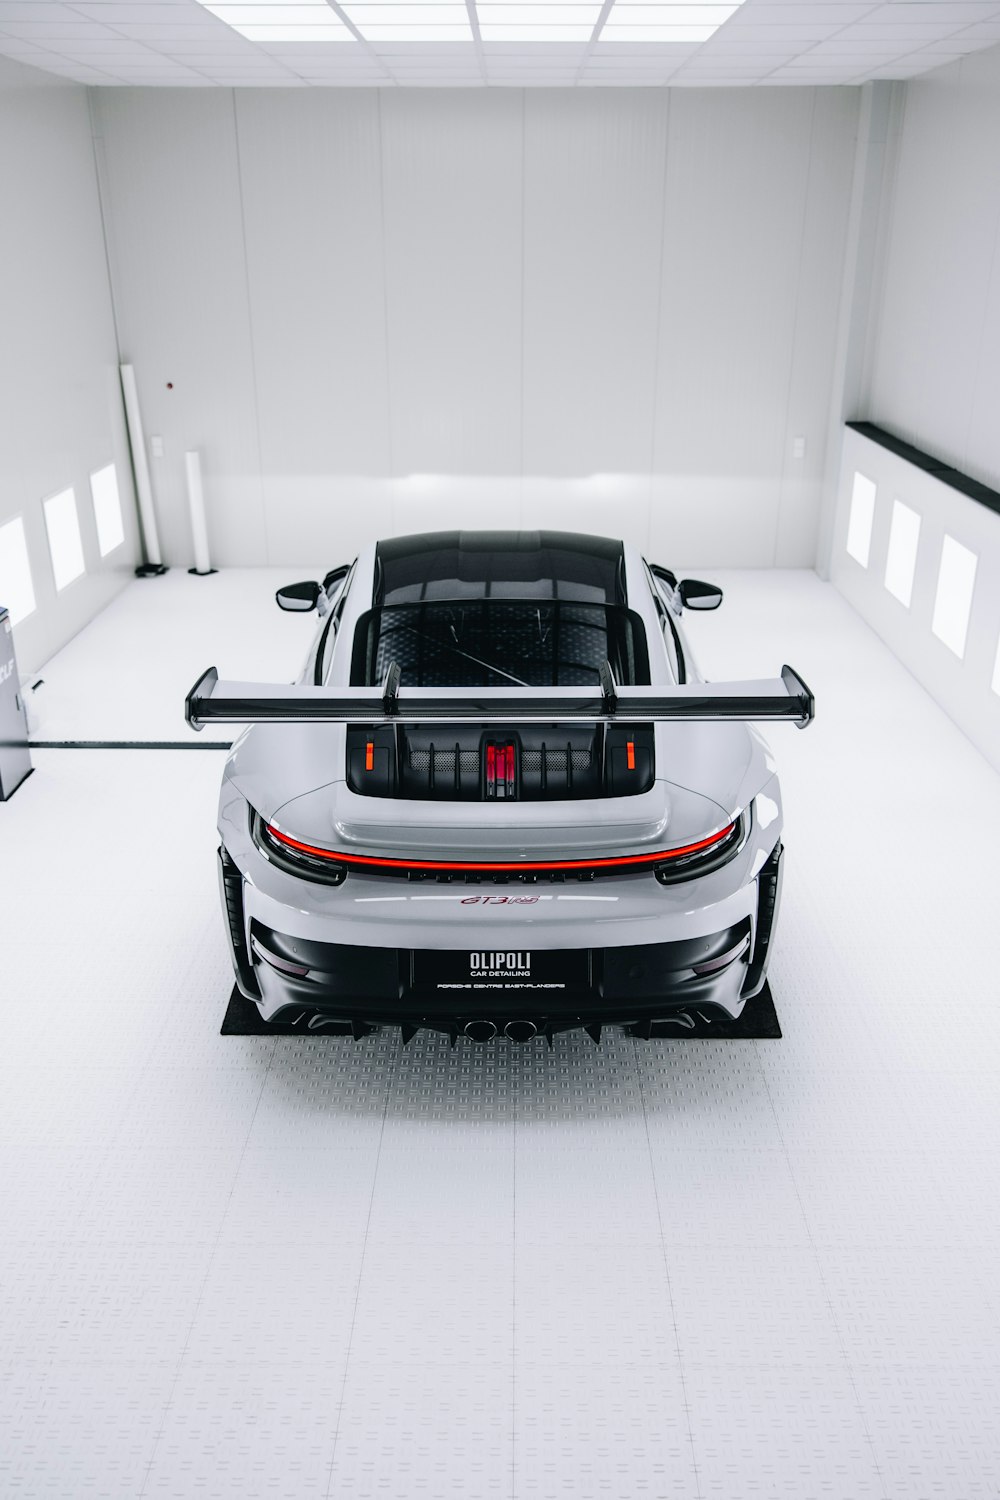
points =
(500, 798)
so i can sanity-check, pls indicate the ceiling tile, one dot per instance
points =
(531, 41)
(802, 12)
(208, 37)
(743, 24)
(907, 32)
(952, 12)
(55, 30)
(17, 10)
(148, 15)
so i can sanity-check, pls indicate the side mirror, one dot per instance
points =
(299, 596)
(697, 595)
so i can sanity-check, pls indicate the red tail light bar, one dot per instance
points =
(486, 867)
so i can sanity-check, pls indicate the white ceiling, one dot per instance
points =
(547, 42)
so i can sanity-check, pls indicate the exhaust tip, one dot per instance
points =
(481, 1031)
(520, 1031)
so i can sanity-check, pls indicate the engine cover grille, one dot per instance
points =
(462, 763)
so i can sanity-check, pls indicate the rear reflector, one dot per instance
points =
(631, 754)
(283, 965)
(459, 866)
(370, 755)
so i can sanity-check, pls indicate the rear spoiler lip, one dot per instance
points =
(785, 697)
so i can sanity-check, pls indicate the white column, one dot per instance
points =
(196, 506)
(140, 468)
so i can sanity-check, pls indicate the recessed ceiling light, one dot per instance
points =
(416, 21)
(616, 33)
(317, 14)
(672, 15)
(537, 33)
(458, 33)
(314, 22)
(530, 16)
(665, 22)
(296, 33)
(366, 14)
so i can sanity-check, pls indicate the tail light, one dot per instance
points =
(295, 859)
(711, 855)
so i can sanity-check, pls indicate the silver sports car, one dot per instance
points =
(500, 798)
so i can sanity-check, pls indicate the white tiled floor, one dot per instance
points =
(307, 1267)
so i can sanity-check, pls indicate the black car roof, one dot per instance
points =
(499, 565)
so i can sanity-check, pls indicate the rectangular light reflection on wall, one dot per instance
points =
(901, 561)
(107, 509)
(956, 580)
(996, 672)
(65, 546)
(17, 592)
(859, 525)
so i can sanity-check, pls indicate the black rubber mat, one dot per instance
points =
(759, 1021)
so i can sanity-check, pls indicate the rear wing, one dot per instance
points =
(212, 701)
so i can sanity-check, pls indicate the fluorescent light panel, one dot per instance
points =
(65, 546)
(537, 15)
(313, 22)
(859, 525)
(405, 15)
(499, 21)
(665, 23)
(16, 589)
(413, 21)
(536, 33)
(316, 14)
(956, 581)
(691, 34)
(901, 559)
(107, 509)
(460, 32)
(670, 15)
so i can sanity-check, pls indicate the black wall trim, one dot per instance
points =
(130, 744)
(934, 466)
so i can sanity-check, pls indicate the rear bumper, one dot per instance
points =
(452, 990)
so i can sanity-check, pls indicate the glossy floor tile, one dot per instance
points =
(244, 1266)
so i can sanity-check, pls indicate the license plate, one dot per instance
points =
(486, 971)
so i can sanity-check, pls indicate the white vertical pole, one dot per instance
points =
(140, 468)
(196, 505)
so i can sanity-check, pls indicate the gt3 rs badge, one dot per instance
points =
(499, 900)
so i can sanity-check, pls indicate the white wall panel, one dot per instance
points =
(180, 274)
(593, 190)
(755, 180)
(817, 312)
(59, 394)
(401, 309)
(452, 182)
(312, 203)
(936, 373)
